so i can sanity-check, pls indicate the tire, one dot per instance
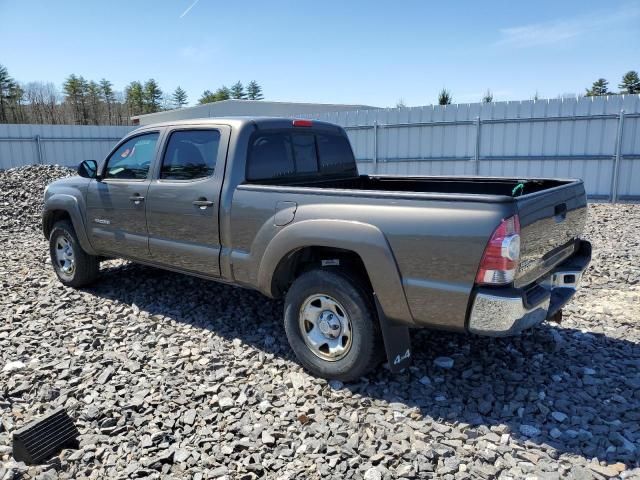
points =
(312, 311)
(73, 266)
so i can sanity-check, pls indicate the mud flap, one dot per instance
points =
(397, 342)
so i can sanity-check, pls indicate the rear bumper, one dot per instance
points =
(507, 311)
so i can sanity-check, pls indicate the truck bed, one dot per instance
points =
(552, 212)
(453, 185)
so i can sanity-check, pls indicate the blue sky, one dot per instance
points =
(329, 51)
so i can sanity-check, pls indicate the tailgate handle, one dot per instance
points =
(560, 212)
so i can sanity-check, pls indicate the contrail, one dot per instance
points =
(190, 7)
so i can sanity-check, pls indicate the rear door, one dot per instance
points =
(183, 199)
(550, 222)
(116, 203)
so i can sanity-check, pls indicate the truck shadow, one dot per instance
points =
(554, 389)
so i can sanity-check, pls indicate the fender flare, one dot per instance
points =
(69, 204)
(364, 239)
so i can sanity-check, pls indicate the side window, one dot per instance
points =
(131, 161)
(190, 154)
(271, 157)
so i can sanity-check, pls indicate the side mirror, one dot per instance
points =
(88, 169)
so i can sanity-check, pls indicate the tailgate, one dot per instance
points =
(551, 222)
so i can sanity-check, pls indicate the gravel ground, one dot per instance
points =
(175, 377)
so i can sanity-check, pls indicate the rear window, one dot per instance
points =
(291, 155)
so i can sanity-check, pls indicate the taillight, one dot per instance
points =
(302, 123)
(501, 255)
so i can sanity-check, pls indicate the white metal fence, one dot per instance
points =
(56, 144)
(595, 138)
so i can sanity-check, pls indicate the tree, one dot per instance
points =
(108, 97)
(94, 101)
(444, 97)
(400, 103)
(207, 97)
(179, 98)
(75, 89)
(134, 98)
(7, 84)
(598, 88)
(237, 91)
(152, 96)
(254, 91)
(488, 96)
(630, 82)
(223, 93)
(536, 96)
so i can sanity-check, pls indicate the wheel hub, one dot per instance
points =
(64, 256)
(325, 327)
(329, 324)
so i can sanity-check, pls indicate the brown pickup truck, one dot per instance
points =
(277, 205)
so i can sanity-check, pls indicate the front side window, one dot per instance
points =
(190, 154)
(131, 161)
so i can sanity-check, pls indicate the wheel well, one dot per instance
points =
(51, 218)
(297, 262)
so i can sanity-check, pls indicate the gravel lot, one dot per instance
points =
(175, 377)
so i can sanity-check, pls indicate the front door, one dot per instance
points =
(116, 217)
(182, 204)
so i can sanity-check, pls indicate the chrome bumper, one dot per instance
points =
(502, 312)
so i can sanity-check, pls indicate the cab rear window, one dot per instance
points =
(291, 155)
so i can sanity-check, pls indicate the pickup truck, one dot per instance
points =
(277, 205)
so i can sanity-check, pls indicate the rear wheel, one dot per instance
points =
(73, 266)
(331, 326)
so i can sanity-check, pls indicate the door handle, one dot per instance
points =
(136, 199)
(203, 203)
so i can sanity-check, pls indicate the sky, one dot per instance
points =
(349, 51)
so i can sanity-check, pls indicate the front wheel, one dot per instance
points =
(331, 325)
(73, 266)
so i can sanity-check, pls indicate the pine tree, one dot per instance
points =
(207, 97)
(108, 97)
(254, 91)
(237, 91)
(7, 84)
(179, 98)
(223, 93)
(630, 82)
(444, 97)
(134, 98)
(75, 89)
(598, 88)
(488, 96)
(94, 94)
(152, 96)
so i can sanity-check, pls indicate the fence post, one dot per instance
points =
(618, 157)
(375, 147)
(476, 155)
(39, 148)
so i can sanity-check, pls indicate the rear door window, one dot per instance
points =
(190, 154)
